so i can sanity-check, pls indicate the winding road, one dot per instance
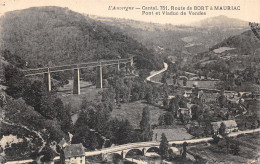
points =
(156, 73)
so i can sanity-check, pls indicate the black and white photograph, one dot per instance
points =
(129, 82)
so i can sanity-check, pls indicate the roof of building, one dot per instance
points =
(74, 150)
(227, 123)
(63, 143)
(210, 95)
(183, 109)
(230, 123)
(189, 105)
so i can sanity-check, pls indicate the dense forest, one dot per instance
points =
(48, 36)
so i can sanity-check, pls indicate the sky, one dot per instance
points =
(249, 9)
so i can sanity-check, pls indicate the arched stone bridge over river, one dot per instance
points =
(76, 68)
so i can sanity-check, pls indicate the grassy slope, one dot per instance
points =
(249, 150)
(87, 91)
(245, 43)
(133, 112)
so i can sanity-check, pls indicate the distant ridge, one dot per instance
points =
(220, 21)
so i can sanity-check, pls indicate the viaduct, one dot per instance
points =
(76, 68)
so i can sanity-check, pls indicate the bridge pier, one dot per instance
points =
(123, 154)
(47, 80)
(118, 65)
(76, 82)
(99, 76)
(144, 151)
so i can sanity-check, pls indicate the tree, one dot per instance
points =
(185, 81)
(92, 139)
(216, 139)
(166, 102)
(236, 148)
(145, 125)
(196, 131)
(101, 116)
(80, 136)
(183, 102)
(164, 78)
(184, 118)
(195, 112)
(38, 97)
(208, 128)
(14, 59)
(149, 95)
(46, 106)
(48, 154)
(125, 92)
(168, 118)
(108, 97)
(124, 132)
(222, 129)
(184, 153)
(15, 81)
(164, 147)
(66, 122)
(222, 99)
(173, 106)
(59, 108)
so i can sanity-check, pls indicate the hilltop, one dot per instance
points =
(236, 57)
(245, 43)
(54, 36)
(242, 45)
(168, 39)
(220, 21)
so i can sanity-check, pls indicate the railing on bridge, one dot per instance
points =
(35, 71)
(30, 72)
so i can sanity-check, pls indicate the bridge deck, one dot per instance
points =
(76, 66)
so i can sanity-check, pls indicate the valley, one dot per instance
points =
(93, 89)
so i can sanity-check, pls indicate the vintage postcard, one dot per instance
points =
(129, 81)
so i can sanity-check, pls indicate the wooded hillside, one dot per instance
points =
(55, 36)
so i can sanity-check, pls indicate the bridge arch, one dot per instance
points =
(154, 149)
(133, 152)
(112, 157)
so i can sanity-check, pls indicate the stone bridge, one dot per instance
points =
(144, 146)
(140, 148)
(76, 67)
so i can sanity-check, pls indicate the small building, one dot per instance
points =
(231, 126)
(209, 98)
(184, 111)
(187, 93)
(74, 154)
(63, 143)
